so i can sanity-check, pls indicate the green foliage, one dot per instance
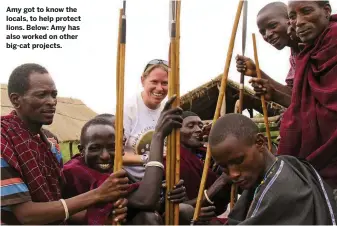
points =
(274, 131)
(64, 147)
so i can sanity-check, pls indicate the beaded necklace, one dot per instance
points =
(268, 173)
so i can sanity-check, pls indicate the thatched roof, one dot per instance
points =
(71, 115)
(202, 100)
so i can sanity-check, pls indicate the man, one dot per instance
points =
(31, 178)
(309, 126)
(96, 161)
(272, 21)
(277, 190)
(191, 168)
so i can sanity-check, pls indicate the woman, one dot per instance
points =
(141, 114)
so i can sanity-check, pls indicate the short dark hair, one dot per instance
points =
(322, 3)
(237, 125)
(188, 114)
(282, 8)
(19, 79)
(91, 122)
(106, 116)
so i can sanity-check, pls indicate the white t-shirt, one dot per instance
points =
(139, 125)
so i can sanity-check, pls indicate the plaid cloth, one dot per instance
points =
(309, 126)
(31, 157)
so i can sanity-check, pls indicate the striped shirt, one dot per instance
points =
(13, 188)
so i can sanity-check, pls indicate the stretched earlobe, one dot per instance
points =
(80, 148)
(260, 140)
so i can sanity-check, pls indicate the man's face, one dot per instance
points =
(308, 19)
(190, 132)
(273, 26)
(38, 103)
(99, 147)
(243, 163)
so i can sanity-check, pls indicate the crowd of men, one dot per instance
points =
(298, 185)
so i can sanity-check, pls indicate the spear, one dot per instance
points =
(120, 68)
(244, 32)
(217, 110)
(234, 188)
(263, 101)
(170, 209)
(176, 104)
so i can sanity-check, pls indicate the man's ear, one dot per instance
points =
(15, 100)
(327, 9)
(260, 140)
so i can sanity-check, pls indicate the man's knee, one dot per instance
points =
(146, 218)
(185, 213)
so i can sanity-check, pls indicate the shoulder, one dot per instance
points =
(74, 162)
(288, 180)
(333, 27)
(131, 101)
(131, 105)
(330, 34)
(6, 123)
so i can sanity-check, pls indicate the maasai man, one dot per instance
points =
(272, 21)
(309, 126)
(31, 178)
(90, 168)
(191, 168)
(277, 190)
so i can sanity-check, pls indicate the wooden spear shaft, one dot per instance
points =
(170, 156)
(177, 103)
(120, 68)
(120, 97)
(263, 101)
(222, 91)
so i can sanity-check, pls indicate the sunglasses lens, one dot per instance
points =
(156, 61)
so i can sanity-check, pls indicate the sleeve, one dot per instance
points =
(127, 121)
(13, 189)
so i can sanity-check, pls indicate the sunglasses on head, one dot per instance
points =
(155, 62)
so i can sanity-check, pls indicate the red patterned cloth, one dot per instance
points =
(81, 179)
(309, 126)
(32, 158)
(291, 73)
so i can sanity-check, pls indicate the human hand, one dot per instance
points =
(245, 65)
(207, 213)
(119, 213)
(178, 193)
(262, 87)
(169, 118)
(113, 188)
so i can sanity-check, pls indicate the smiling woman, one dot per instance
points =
(141, 114)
